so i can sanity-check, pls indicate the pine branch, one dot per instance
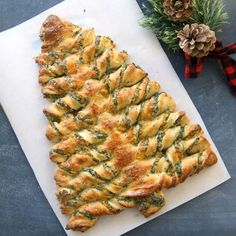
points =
(209, 12)
(165, 29)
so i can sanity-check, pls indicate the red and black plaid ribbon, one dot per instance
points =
(194, 65)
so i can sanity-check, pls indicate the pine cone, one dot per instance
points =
(197, 40)
(178, 10)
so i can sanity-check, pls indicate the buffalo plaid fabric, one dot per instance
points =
(194, 65)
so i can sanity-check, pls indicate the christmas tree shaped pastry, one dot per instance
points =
(117, 139)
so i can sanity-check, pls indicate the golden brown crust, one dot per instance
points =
(211, 159)
(118, 140)
(51, 30)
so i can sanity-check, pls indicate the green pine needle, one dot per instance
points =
(208, 12)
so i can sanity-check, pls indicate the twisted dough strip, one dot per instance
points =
(194, 143)
(141, 89)
(109, 123)
(93, 88)
(142, 187)
(149, 183)
(80, 179)
(189, 166)
(66, 76)
(95, 54)
(86, 216)
(92, 156)
(146, 110)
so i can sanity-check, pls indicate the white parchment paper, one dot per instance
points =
(23, 102)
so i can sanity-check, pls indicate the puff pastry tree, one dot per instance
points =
(118, 140)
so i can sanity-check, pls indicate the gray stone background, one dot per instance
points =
(25, 211)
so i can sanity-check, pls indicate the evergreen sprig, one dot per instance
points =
(208, 12)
